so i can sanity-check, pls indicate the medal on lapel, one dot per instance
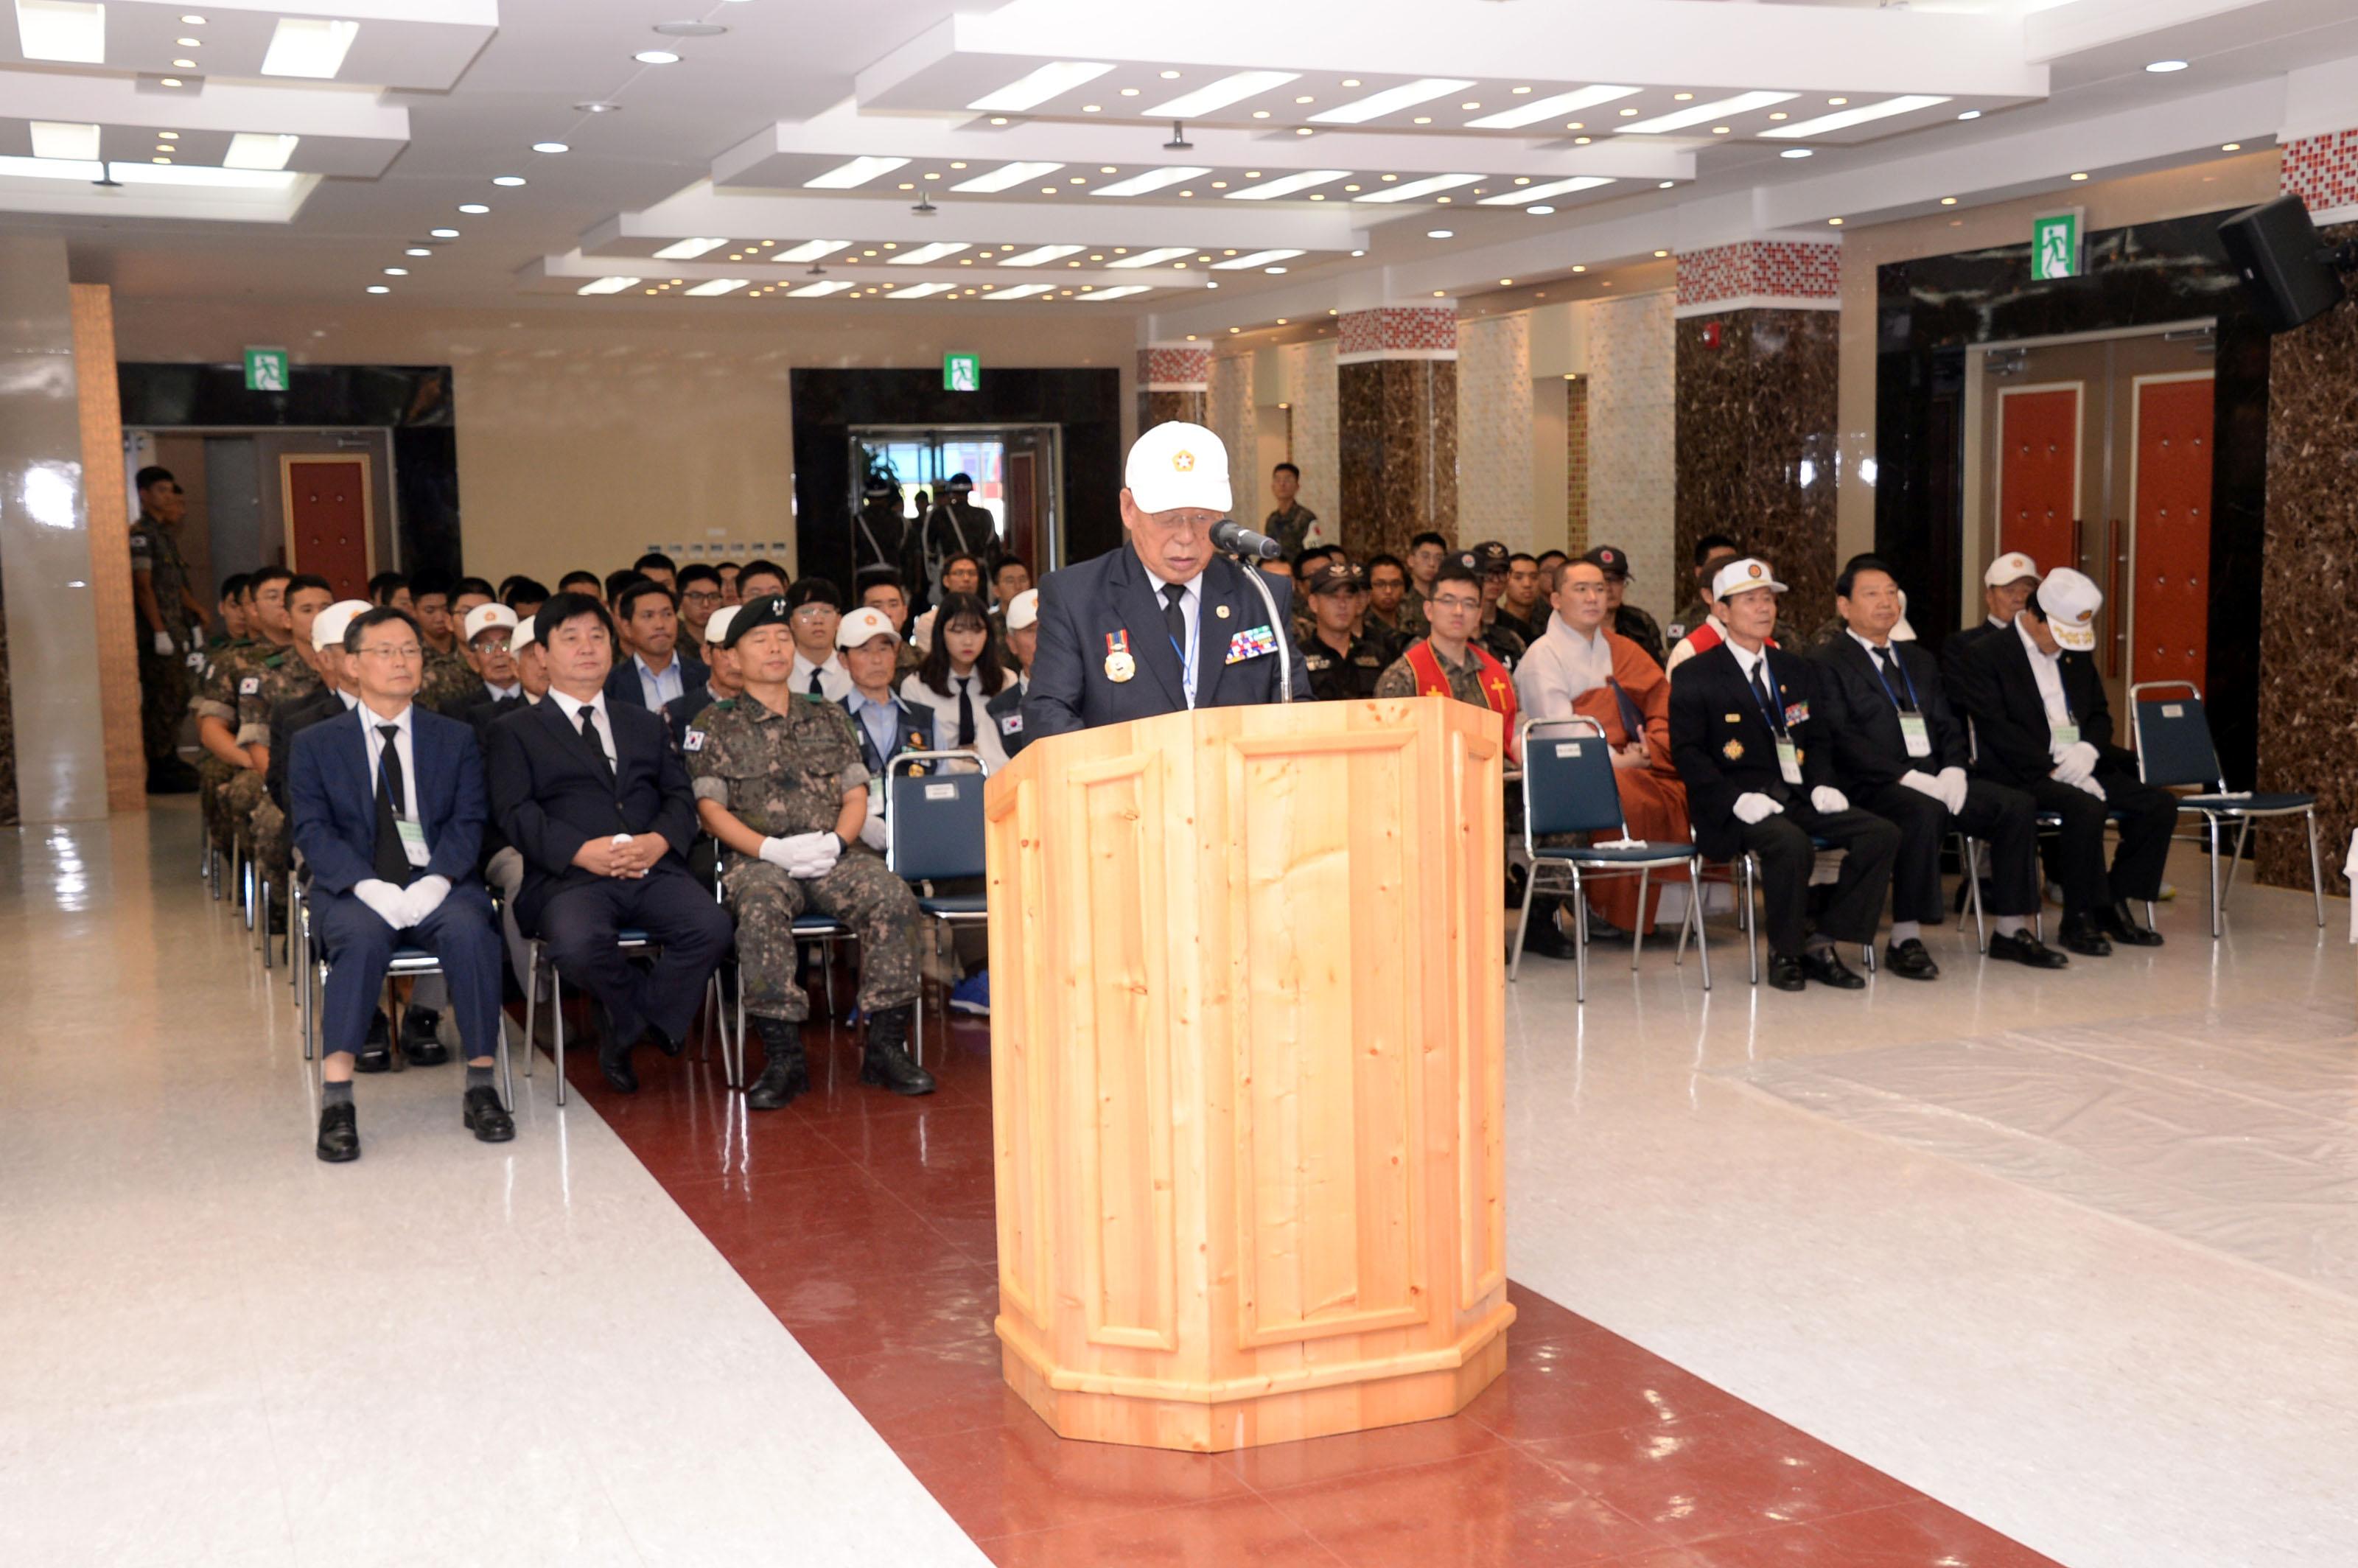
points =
(1732, 751)
(1119, 665)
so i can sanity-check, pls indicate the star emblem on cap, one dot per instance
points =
(1755, 568)
(1183, 462)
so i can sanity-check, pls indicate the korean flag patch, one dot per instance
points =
(693, 742)
(249, 685)
(1010, 724)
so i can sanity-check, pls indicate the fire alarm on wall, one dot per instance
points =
(1711, 334)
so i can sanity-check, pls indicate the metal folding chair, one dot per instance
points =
(933, 833)
(1747, 867)
(2174, 751)
(1568, 787)
(406, 963)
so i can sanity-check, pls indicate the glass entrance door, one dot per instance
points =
(1015, 469)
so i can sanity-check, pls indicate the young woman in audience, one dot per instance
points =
(963, 671)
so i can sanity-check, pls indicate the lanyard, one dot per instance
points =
(1776, 720)
(1914, 703)
(380, 745)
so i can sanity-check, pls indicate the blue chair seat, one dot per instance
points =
(412, 955)
(1612, 854)
(2256, 804)
(955, 904)
(631, 935)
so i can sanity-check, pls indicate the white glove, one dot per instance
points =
(1754, 806)
(164, 644)
(1953, 789)
(390, 902)
(1828, 799)
(871, 832)
(804, 855)
(2076, 762)
(2089, 785)
(422, 898)
(1925, 784)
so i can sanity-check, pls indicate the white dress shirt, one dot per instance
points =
(599, 723)
(834, 680)
(1191, 607)
(1748, 661)
(1686, 650)
(658, 686)
(943, 711)
(1562, 665)
(2047, 669)
(498, 692)
(403, 749)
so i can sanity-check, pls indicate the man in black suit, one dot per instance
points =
(1161, 625)
(2041, 725)
(593, 794)
(1900, 752)
(656, 671)
(2007, 586)
(1758, 766)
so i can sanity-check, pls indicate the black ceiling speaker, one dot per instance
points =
(2289, 272)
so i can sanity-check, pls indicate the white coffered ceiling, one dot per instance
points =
(1331, 152)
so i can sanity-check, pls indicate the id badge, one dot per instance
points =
(877, 797)
(413, 841)
(1912, 730)
(2066, 734)
(1788, 761)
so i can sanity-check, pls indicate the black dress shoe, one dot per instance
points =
(480, 1111)
(2022, 948)
(2084, 937)
(417, 1040)
(1909, 961)
(375, 1052)
(339, 1133)
(2123, 923)
(1547, 939)
(1824, 966)
(662, 1041)
(614, 1061)
(1785, 974)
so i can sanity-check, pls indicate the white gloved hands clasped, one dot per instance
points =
(2076, 763)
(2089, 786)
(1829, 800)
(164, 644)
(390, 902)
(1925, 784)
(421, 898)
(1752, 806)
(1953, 789)
(804, 856)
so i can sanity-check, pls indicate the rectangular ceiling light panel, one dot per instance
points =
(1431, 185)
(1563, 103)
(932, 252)
(1152, 179)
(921, 290)
(718, 287)
(1041, 255)
(1844, 119)
(1375, 105)
(1127, 288)
(1258, 258)
(63, 138)
(1154, 258)
(1004, 176)
(1272, 189)
(306, 46)
(820, 290)
(252, 149)
(854, 174)
(1699, 114)
(1031, 91)
(65, 30)
(1542, 192)
(810, 250)
(607, 285)
(688, 250)
(1022, 291)
(1215, 96)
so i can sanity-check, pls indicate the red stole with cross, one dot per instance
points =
(1497, 686)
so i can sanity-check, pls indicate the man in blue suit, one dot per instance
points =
(1162, 623)
(656, 671)
(387, 802)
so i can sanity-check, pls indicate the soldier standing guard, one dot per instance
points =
(780, 781)
(169, 658)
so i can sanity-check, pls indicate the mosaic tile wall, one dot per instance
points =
(1494, 430)
(1632, 426)
(1316, 428)
(2324, 170)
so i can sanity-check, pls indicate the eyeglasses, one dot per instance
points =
(489, 643)
(1453, 603)
(816, 612)
(395, 651)
(694, 598)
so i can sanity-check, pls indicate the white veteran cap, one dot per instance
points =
(2069, 600)
(1743, 576)
(862, 626)
(1023, 609)
(2011, 567)
(1177, 465)
(718, 627)
(484, 617)
(329, 627)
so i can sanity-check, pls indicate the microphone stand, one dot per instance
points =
(1276, 625)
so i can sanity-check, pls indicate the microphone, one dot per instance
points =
(1238, 540)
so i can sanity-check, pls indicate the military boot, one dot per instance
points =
(785, 1074)
(887, 1061)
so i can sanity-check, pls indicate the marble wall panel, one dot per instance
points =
(1316, 426)
(1158, 407)
(1632, 434)
(1398, 453)
(1757, 403)
(1230, 410)
(2309, 578)
(1494, 431)
(1575, 499)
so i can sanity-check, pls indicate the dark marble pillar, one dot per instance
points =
(1174, 381)
(1755, 410)
(1159, 407)
(1396, 425)
(2308, 579)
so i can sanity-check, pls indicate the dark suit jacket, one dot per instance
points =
(681, 710)
(286, 719)
(550, 798)
(1079, 605)
(1954, 648)
(912, 731)
(1997, 689)
(622, 683)
(1006, 710)
(1713, 710)
(1869, 749)
(332, 799)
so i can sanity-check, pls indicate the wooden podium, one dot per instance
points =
(1246, 1038)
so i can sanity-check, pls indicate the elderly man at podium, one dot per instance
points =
(1162, 623)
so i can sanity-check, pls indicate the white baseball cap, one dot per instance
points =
(716, 630)
(1742, 576)
(1023, 609)
(2069, 600)
(328, 628)
(864, 625)
(1176, 465)
(2011, 567)
(1901, 631)
(485, 616)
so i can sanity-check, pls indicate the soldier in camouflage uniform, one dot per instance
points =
(279, 674)
(780, 781)
(169, 654)
(227, 801)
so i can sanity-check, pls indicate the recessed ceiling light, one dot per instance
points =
(160, 160)
(1037, 86)
(2164, 67)
(1795, 152)
(507, 180)
(718, 286)
(1423, 120)
(1152, 179)
(171, 82)
(168, 135)
(194, 21)
(63, 30)
(2232, 147)
(1907, 103)
(1948, 201)
(69, 139)
(1700, 113)
(1549, 108)
(189, 43)
(442, 234)
(1554, 188)
(1666, 185)
(1359, 253)
(999, 119)
(608, 286)
(184, 65)
(1682, 97)
(396, 272)
(597, 107)
(1835, 221)
(1092, 108)
(933, 252)
(1375, 105)
(1440, 234)
(657, 57)
(1288, 185)
(852, 174)
(1416, 187)
(1130, 92)
(1541, 210)
(1151, 258)
(417, 250)
(1971, 114)
(550, 148)
(309, 47)
(379, 288)
(1580, 266)
(1005, 176)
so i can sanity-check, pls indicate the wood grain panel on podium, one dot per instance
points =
(1245, 1071)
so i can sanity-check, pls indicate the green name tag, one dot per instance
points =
(1788, 761)
(1912, 730)
(2066, 734)
(413, 841)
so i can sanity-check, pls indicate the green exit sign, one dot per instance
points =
(266, 370)
(961, 372)
(2055, 245)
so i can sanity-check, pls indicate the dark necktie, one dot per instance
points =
(597, 748)
(817, 688)
(391, 796)
(966, 709)
(1174, 595)
(1885, 661)
(1760, 688)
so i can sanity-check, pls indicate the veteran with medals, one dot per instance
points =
(1162, 623)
